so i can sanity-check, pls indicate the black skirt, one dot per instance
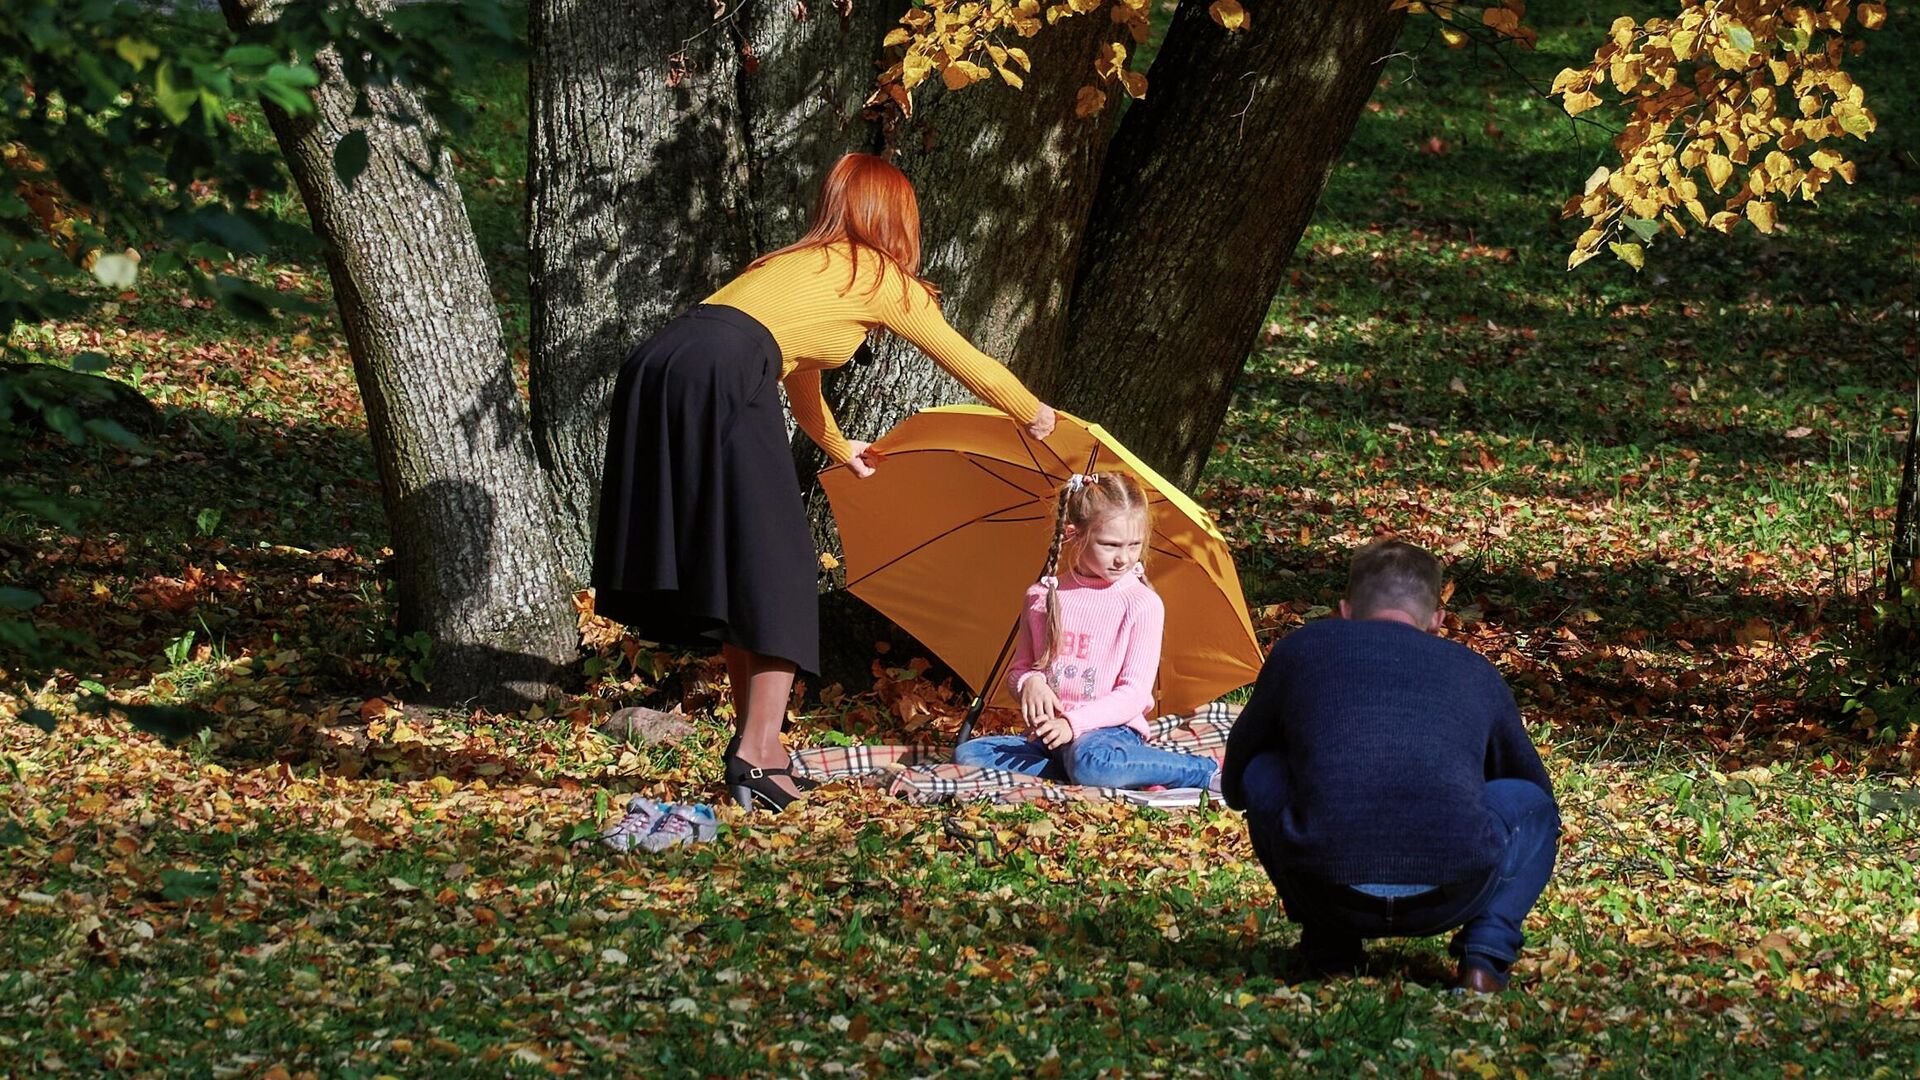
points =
(702, 536)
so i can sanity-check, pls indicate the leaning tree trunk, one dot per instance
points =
(667, 149)
(1206, 189)
(474, 564)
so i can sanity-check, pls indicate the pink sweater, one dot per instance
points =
(1109, 651)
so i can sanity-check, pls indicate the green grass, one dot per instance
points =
(1659, 494)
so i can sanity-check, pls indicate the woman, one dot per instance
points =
(702, 536)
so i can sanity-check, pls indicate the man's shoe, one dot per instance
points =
(1478, 979)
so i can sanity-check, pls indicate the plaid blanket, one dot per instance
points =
(924, 773)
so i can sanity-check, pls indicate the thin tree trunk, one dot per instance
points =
(1206, 189)
(474, 564)
(667, 150)
(1905, 550)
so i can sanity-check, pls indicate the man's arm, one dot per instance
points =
(1256, 731)
(1510, 753)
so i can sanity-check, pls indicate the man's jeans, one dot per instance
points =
(1488, 906)
(1115, 757)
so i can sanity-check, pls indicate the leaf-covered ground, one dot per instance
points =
(1660, 494)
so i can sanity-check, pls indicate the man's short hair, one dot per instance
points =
(1393, 574)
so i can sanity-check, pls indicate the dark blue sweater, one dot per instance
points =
(1390, 736)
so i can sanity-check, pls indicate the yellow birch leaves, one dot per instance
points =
(1730, 109)
(965, 42)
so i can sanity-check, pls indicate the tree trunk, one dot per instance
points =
(474, 563)
(1905, 550)
(1206, 189)
(667, 150)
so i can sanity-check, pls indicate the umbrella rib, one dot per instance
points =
(975, 520)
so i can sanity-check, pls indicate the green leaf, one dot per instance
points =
(111, 431)
(350, 156)
(136, 52)
(88, 363)
(12, 835)
(13, 599)
(175, 101)
(1856, 123)
(178, 885)
(1631, 254)
(64, 420)
(116, 271)
(1740, 37)
(1644, 228)
(250, 56)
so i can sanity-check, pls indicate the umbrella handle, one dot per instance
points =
(973, 713)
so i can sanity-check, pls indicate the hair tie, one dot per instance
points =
(1076, 482)
(1050, 581)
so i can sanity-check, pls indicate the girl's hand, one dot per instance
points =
(1037, 700)
(1054, 732)
(1043, 422)
(863, 458)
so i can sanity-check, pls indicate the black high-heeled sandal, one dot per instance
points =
(752, 787)
(733, 749)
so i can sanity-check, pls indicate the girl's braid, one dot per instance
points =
(1052, 578)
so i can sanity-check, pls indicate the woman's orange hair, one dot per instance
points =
(866, 202)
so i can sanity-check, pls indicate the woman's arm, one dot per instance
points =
(917, 318)
(811, 413)
(1132, 693)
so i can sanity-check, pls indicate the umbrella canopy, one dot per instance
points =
(954, 526)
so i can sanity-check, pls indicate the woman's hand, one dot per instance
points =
(1054, 732)
(1037, 700)
(863, 458)
(1043, 422)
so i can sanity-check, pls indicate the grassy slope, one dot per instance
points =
(1644, 539)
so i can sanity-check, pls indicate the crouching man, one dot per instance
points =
(1389, 787)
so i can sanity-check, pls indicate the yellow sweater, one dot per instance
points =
(818, 316)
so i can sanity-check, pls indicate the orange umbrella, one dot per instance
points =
(954, 526)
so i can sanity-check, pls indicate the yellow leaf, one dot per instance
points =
(1760, 212)
(1228, 13)
(1581, 102)
(916, 67)
(1089, 101)
(1455, 39)
(1011, 79)
(1019, 56)
(896, 36)
(1594, 181)
(1631, 254)
(1723, 221)
(1566, 79)
(1871, 16)
(1718, 170)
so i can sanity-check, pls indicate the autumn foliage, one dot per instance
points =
(1733, 109)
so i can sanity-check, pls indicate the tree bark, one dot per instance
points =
(474, 564)
(667, 150)
(1206, 189)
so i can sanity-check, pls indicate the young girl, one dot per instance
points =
(1088, 654)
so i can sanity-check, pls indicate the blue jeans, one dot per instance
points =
(1114, 757)
(1488, 907)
